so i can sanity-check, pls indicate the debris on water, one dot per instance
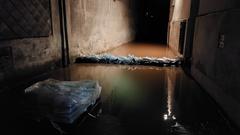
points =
(61, 101)
(129, 60)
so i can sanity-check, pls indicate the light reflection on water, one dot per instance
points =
(135, 100)
(174, 126)
(135, 96)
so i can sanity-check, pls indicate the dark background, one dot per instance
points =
(151, 18)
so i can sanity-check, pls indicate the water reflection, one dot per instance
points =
(146, 100)
(169, 117)
(136, 95)
(170, 100)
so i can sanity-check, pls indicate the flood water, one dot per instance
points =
(135, 100)
(143, 50)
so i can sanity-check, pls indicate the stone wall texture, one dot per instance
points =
(99, 25)
(22, 54)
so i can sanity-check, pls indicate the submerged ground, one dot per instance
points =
(135, 100)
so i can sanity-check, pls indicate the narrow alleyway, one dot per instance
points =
(166, 67)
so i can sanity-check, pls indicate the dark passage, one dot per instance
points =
(42, 39)
(152, 20)
(135, 100)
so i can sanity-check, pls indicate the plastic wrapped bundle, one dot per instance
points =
(62, 101)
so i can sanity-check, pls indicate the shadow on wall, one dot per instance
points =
(151, 20)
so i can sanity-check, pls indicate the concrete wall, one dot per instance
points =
(93, 26)
(210, 6)
(216, 53)
(180, 11)
(98, 25)
(28, 56)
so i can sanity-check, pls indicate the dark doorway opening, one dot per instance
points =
(152, 17)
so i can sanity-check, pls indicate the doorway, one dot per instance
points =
(152, 20)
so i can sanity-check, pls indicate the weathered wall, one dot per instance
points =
(20, 57)
(180, 11)
(215, 48)
(210, 6)
(99, 25)
(216, 53)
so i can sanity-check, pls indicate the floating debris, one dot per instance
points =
(130, 60)
(61, 101)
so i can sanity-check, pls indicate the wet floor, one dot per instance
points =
(135, 100)
(143, 49)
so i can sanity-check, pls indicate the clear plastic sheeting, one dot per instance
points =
(61, 101)
(129, 60)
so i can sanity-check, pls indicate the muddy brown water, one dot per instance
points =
(143, 49)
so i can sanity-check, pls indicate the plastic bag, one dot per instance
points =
(62, 101)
